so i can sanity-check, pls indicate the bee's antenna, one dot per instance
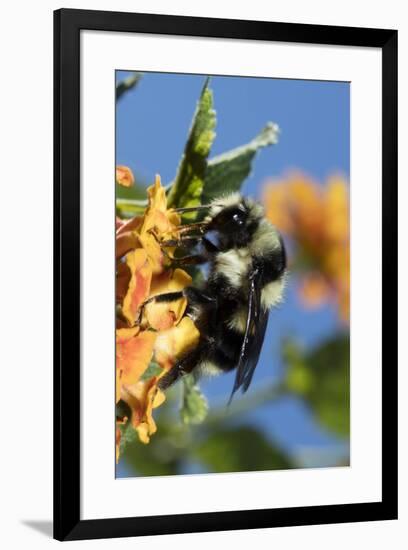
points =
(193, 208)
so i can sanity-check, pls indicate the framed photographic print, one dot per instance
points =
(225, 274)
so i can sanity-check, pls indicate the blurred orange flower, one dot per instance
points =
(316, 217)
(142, 273)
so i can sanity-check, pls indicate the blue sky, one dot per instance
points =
(152, 123)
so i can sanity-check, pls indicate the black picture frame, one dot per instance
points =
(67, 26)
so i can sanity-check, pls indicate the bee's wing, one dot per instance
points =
(257, 319)
(255, 348)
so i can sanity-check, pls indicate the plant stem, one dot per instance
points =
(247, 403)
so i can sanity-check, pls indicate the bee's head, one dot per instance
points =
(235, 219)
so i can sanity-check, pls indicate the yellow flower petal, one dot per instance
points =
(175, 342)
(139, 283)
(147, 427)
(163, 316)
(157, 218)
(122, 281)
(157, 195)
(142, 398)
(153, 251)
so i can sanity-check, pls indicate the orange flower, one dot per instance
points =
(134, 351)
(124, 176)
(142, 398)
(159, 224)
(317, 219)
(139, 283)
(141, 274)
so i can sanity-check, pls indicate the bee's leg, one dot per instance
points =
(167, 298)
(194, 259)
(191, 240)
(185, 366)
(197, 300)
(187, 240)
(197, 226)
(209, 246)
(190, 259)
(193, 295)
(196, 297)
(180, 241)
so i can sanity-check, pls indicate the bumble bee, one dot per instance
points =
(247, 272)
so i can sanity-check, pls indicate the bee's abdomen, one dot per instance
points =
(222, 356)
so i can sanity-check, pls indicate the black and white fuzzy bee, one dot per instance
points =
(247, 271)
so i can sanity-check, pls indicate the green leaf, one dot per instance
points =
(322, 379)
(226, 172)
(168, 448)
(188, 184)
(131, 201)
(152, 370)
(127, 84)
(146, 459)
(135, 193)
(194, 406)
(127, 208)
(239, 450)
(128, 436)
